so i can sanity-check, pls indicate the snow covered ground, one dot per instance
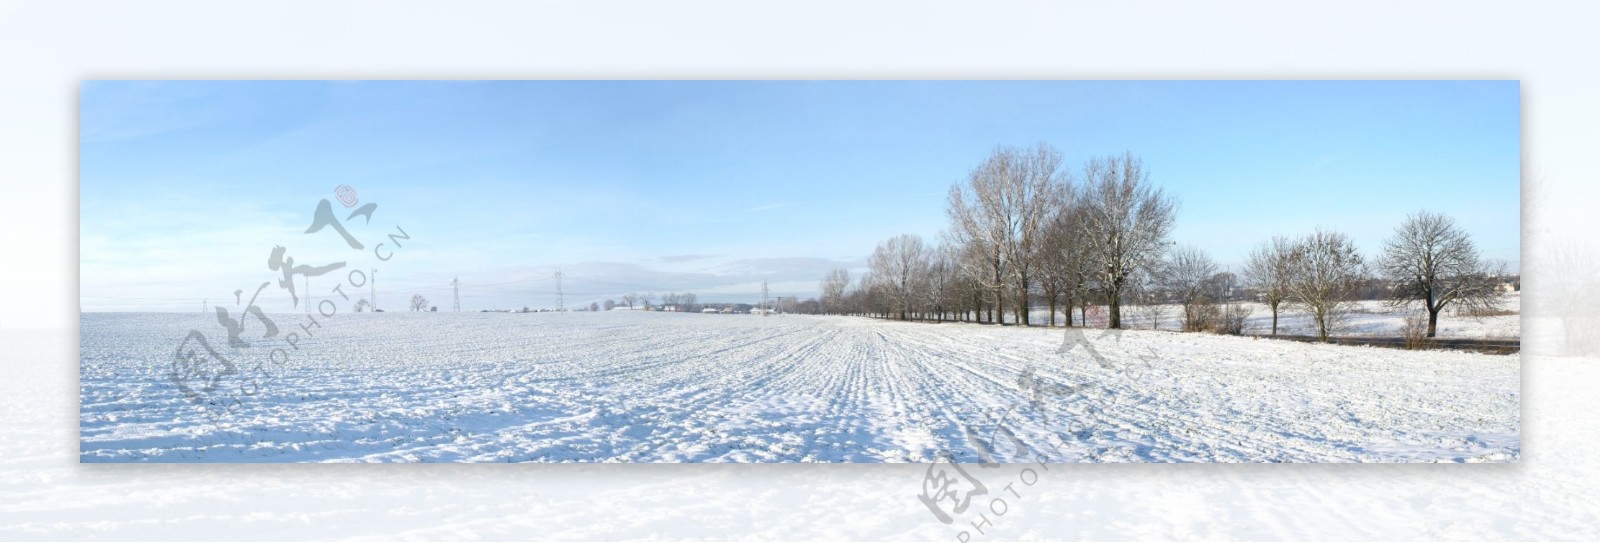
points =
(1371, 318)
(654, 387)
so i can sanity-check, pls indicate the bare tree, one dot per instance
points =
(1327, 272)
(671, 301)
(645, 299)
(1126, 224)
(1571, 297)
(1151, 305)
(363, 305)
(688, 301)
(979, 223)
(610, 305)
(809, 307)
(865, 298)
(1039, 190)
(901, 262)
(1231, 316)
(418, 303)
(939, 277)
(833, 289)
(1082, 269)
(1060, 257)
(1268, 269)
(974, 272)
(1054, 274)
(1432, 260)
(1189, 278)
(594, 306)
(629, 299)
(1004, 213)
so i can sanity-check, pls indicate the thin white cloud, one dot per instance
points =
(673, 259)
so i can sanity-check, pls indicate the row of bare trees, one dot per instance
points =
(680, 302)
(1320, 272)
(685, 301)
(1023, 228)
(1430, 262)
(907, 279)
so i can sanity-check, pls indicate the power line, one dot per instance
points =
(520, 281)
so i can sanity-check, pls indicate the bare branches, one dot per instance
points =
(1189, 276)
(1020, 230)
(1432, 260)
(901, 263)
(1326, 272)
(1125, 226)
(940, 277)
(1003, 214)
(833, 287)
(1268, 269)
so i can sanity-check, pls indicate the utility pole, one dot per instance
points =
(308, 294)
(763, 297)
(455, 284)
(374, 286)
(559, 300)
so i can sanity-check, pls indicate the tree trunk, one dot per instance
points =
(998, 315)
(1022, 310)
(1113, 310)
(1433, 312)
(999, 295)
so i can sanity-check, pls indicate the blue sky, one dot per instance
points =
(186, 187)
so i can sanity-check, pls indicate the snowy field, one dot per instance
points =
(1370, 318)
(653, 387)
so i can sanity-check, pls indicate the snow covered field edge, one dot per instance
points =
(652, 387)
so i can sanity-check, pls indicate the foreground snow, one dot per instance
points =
(633, 386)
